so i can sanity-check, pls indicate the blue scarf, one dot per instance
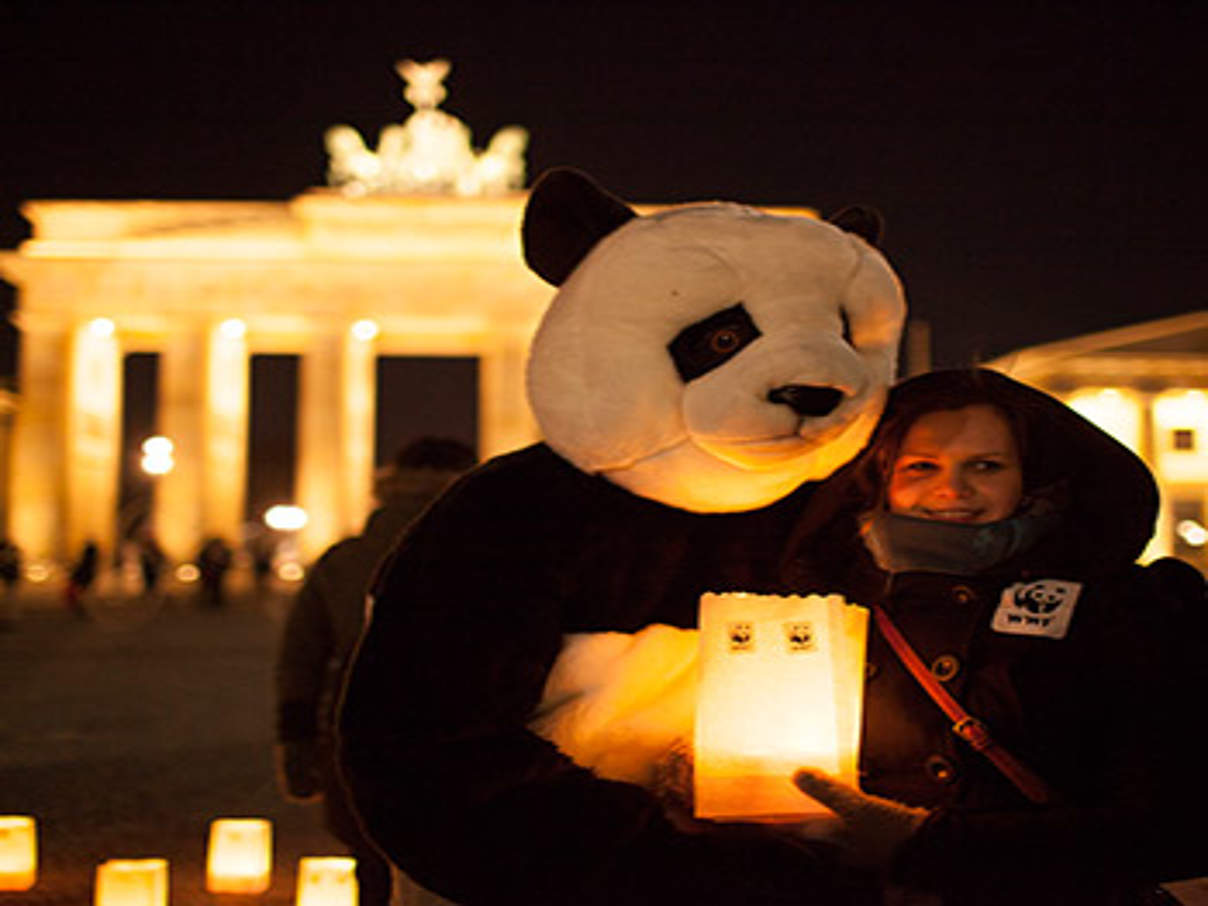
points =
(901, 544)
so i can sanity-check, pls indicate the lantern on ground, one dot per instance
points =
(781, 688)
(240, 855)
(132, 882)
(327, 881)
(18, 852)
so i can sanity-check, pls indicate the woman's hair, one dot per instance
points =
(941, 391)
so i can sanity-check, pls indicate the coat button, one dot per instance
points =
(963, 594)
(944, 667)
(941, 769)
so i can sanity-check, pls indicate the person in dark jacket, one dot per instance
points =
(321, 631)
(999, 530)
(213, 562)
(151, 561)
(80, 579)
(10, 577)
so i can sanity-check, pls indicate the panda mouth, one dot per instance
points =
(769, 452)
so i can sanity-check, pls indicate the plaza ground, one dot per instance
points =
(127, 733)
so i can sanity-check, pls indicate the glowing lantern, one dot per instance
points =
(18, 852)
(327, 881)
(132, 882)
(781, 688)
(240, 855)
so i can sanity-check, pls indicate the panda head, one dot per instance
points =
(710, 357)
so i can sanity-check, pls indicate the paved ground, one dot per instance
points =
(124, 735)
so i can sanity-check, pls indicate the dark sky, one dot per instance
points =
(1041, 168)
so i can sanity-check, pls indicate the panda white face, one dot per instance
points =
(714, 357)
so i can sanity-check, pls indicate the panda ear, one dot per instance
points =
(567, 214)
(865, 222)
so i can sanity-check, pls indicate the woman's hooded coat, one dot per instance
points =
(1080, 685)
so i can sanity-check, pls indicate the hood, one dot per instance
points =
(1110, 500)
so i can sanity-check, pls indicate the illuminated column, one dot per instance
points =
(178, 495)
(93, 434)
(504, 419)
(335, 434)
(224, 433)
(1118, 411)
(358, 406)
(316, 490)
(37, 498)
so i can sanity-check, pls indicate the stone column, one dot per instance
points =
(358, 406)
(505, 421)
(93, 435)
(224, 432)
(177, 518)
(335, 437)
(38, 502)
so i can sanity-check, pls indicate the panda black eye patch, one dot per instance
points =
(701, 347)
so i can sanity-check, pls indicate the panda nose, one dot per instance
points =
(807, 399)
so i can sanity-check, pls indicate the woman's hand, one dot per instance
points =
(865, 830)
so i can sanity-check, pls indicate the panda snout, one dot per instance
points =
(807, 399)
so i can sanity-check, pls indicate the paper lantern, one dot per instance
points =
(327, 881)
(240, 855)
(132, 882)
(781, 688)
(18, 852)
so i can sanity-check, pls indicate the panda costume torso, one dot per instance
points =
(696, 372)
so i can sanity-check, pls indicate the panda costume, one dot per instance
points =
(698, 370)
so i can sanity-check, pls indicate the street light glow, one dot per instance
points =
(232, 328)
(1192, 532)
(157, 456)
(364, 330)
(285, 517)
(101, 327)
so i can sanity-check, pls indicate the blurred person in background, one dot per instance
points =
(80, 579)
(10, 576)
(321, 631)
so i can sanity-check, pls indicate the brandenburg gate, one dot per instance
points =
(205, 285)
(413, 251)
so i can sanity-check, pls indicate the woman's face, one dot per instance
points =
(957, 465)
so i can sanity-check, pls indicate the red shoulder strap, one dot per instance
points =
(964, 725)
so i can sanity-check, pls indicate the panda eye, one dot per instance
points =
(725, 340)
(701, 347)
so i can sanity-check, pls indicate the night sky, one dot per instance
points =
(1040, 167)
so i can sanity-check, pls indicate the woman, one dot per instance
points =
(997, 530)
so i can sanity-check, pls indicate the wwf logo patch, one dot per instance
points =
(1042, 608)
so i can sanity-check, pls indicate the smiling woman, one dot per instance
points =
(957, 465)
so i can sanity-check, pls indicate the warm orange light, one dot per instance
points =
(781, 688)
(18, 852)
(290, 571)
(157, 458)
(132, 882)
(286, 517)
(240, 856)
(327, 881)
(365, 329)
